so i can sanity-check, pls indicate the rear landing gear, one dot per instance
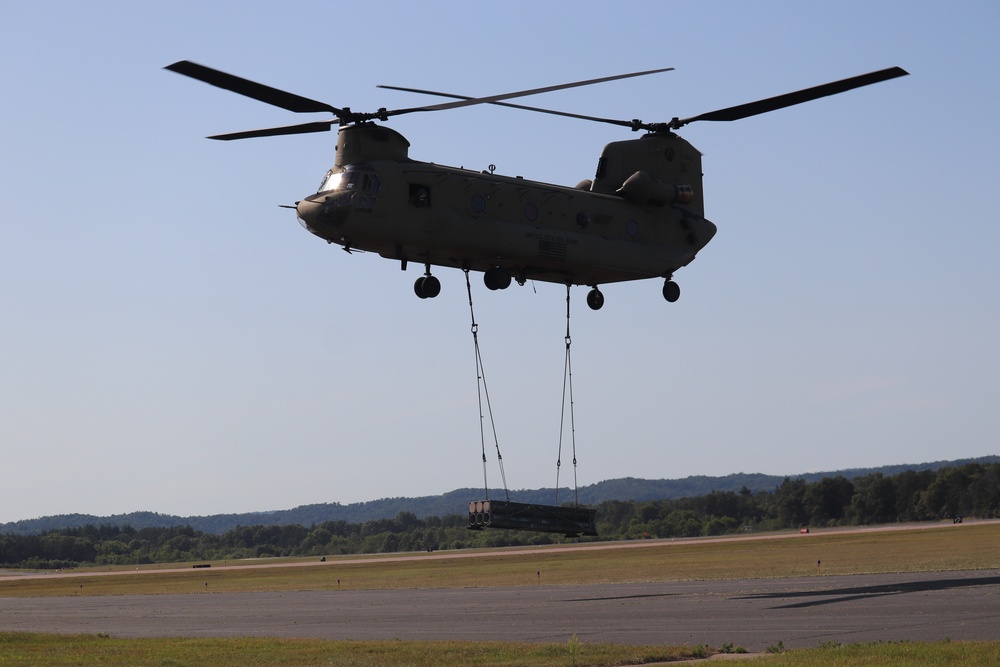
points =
(671, 291)
(595, 299)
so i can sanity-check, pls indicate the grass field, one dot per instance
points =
(82, 650)
(36, 650)
(943, 548)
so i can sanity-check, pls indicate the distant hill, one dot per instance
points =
(455, 502)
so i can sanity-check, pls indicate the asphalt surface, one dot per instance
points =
(754, 614)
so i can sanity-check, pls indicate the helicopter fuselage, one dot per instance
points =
(641, 216)
(637, 219)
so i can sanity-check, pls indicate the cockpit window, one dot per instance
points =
(356, 177)
(331, 181)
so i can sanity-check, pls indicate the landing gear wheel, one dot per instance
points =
(427, 287)
(497, 278)
(595, 299)
(671, 291)
(432, 287)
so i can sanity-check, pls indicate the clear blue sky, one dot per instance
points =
(172, 341)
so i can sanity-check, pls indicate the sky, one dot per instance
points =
(171, 340)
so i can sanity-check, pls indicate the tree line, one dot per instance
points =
(971, 490)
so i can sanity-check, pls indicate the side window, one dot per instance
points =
(420, 195)
(365, 184)
(370, 183)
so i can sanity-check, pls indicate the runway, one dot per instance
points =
(799, 612)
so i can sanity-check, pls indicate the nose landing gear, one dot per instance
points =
(497, 278)
(427, 286)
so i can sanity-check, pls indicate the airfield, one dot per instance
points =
(753, 612)
(799, 612)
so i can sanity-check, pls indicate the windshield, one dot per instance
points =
(331, 181)
(356, 177)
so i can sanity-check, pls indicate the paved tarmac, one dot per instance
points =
(799, 612)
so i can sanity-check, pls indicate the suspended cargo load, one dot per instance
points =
(572, 521)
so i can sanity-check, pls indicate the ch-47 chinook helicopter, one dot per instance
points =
(641, 216)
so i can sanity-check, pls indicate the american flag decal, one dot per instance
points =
(552, 249)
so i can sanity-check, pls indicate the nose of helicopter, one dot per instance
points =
(322, 216)
(307, 210)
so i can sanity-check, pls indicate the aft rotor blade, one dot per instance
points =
(612, 121)
(251, 89)
(798, 97)
(493, 99)
(303, 128)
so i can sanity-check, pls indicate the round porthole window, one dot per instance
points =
(478, 203)
(531, 212)
(632, 228)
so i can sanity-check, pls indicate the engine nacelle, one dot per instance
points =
(642, 188)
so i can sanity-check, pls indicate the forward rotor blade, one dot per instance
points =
(798, 97)
(612, 121)
(303, 128)
(493, 99)
(251, 89)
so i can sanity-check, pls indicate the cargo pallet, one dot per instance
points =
(572, 521)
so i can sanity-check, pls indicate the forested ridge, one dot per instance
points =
(592, 495)
(969, 490)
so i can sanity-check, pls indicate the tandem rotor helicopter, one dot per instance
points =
(642, 215)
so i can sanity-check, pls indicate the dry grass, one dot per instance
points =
(897, 654)
(944, 548)
(30, 650)
(965, 547)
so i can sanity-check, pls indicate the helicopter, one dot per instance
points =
(641, 216)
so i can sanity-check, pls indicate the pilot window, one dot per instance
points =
(331, 181)
(370, 182)
(358, 178)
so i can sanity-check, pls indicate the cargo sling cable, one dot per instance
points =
(571, 521)
(567, 382)
(483, 391)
